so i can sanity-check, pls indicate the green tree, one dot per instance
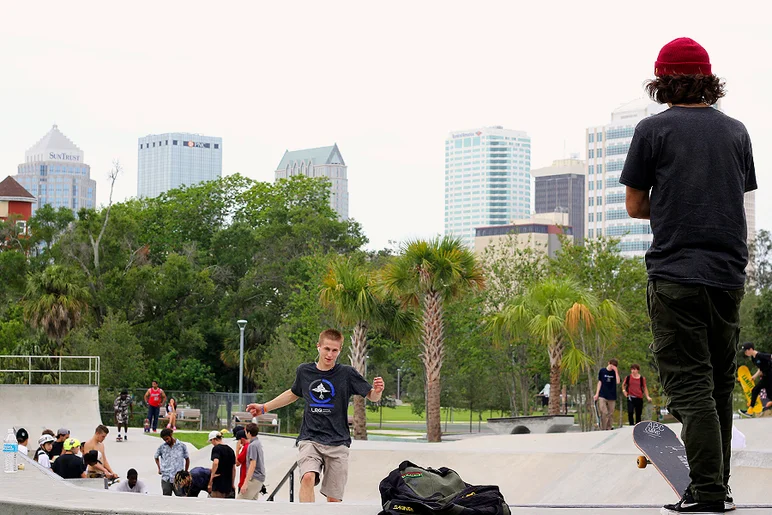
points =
(556, 313)
(55, 302)
(122, 363)
(48, 224)
(429, 274)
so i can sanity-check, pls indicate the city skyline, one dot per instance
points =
(391, 104)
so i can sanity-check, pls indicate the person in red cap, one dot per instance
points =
(687, 170)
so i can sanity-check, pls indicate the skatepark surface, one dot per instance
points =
(535, 472)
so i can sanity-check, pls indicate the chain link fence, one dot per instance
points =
(215, 410)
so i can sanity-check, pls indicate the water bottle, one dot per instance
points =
(10, 448)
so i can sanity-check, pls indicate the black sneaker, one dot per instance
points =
(729, 502)
(744, 413)
(687, 504)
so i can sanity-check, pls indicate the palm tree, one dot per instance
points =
(427, 274)
(55, 303)
(349, 288)
(556, 312)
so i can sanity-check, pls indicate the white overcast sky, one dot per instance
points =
(385, 80)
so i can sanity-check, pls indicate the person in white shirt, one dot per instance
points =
(22, 438)
(545, 395)
(43, 454)
(132, 484)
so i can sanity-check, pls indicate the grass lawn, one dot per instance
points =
(197, 439)
(403, 414)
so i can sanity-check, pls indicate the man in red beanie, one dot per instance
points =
(687, 171)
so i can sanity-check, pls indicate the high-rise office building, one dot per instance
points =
(487, 180)
(607, 148)
(324, 162)
(176, 159)
(54, 171)
(560, 188)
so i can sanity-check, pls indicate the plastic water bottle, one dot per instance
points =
(10, 448)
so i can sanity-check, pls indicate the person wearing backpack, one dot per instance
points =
(634, 388)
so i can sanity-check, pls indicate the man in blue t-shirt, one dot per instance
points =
(606, 393)
(324, 439)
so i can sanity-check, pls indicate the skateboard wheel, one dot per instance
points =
(642, 461)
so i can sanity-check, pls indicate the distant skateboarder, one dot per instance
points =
(324, 439)
(124, 408)
(606, 393)
(155, 398)
(763, 362)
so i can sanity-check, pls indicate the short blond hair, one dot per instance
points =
(332, 335)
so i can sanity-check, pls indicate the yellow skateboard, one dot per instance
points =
(746, 380)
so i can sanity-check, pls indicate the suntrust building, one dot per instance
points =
(54, 171)
(176, 159)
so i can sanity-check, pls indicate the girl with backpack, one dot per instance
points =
(634, 388)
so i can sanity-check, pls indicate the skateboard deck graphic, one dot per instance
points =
(662, 448)
(746, 380)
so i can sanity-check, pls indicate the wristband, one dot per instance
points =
(264, 410)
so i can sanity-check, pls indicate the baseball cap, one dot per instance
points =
(63, 432)
(747, 346)
(46, 439)
(214, 434)
(22, 434)
(238, 435)
(71, 443)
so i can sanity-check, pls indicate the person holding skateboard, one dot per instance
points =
(687, 170)
(154, 398)
(763, 362)
(324, 439)
(634, 388)
(606, 393)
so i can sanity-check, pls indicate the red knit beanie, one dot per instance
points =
(682, 56)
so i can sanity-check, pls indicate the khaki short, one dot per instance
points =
(250, 490)
(313, 457)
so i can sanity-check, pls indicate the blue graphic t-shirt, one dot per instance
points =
(608, 384)
(327, 393)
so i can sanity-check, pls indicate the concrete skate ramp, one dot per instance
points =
(39, 407)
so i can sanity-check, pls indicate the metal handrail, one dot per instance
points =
(94, 367)
(291, 476)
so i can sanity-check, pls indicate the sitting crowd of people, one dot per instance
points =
(67, 457)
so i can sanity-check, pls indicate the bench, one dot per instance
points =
(184, 415)
(264, 420)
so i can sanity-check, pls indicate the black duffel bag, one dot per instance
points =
(418, 490)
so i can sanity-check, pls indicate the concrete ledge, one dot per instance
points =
(528, 425)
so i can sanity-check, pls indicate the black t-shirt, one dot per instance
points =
(698, 163)
(69, 466)
(224, 480)
(57, 449)
(327, 393)
(764, 363)
(608, 384)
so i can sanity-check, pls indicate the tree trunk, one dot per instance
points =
(432, 356)
(556, 358)
(358, 358)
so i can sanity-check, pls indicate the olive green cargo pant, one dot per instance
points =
(695, 331)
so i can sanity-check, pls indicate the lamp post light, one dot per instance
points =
(242, 324)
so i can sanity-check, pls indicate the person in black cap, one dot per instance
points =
(22, 437)
(763, 362)
(61, 435)
(123, 407)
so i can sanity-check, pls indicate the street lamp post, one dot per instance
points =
(399, 370)
(242, 324)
